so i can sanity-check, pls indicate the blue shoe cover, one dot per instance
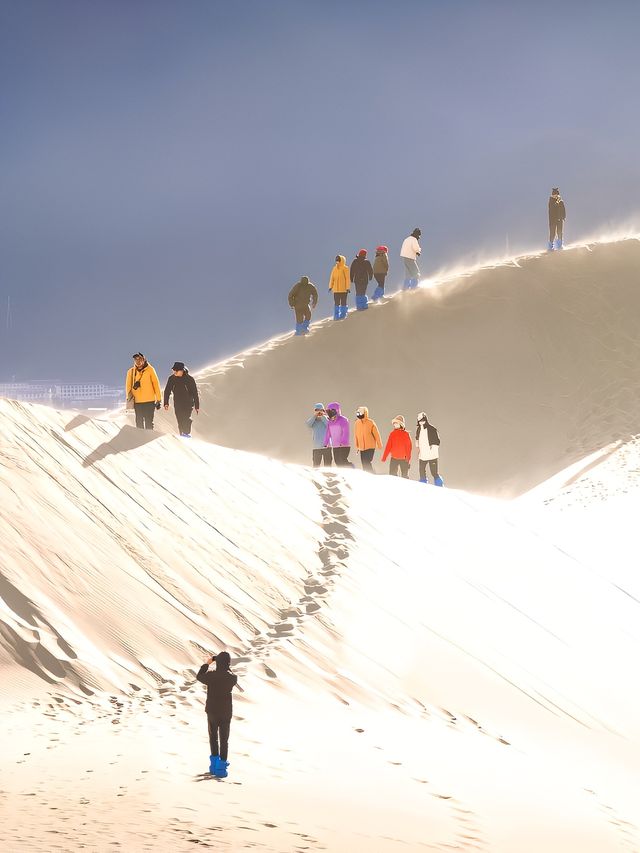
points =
(213, 760)
(299, 328)
(378, 293)
(336, 312)
(407, 284)
(558, 244)
(438, 481)
(305, 325)
(550, 246)
(413, 282)
(220, 768)
(362, 303)
(344, 310)
(424, 481)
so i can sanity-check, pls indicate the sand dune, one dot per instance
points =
(525, 367)
(421, 668)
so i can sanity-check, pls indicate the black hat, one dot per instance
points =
(137, 355)
(178, 365)
(416, 232)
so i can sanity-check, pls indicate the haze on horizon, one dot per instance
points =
(168, 171)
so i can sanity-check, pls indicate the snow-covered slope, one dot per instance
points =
(526, 367)
(420, 668)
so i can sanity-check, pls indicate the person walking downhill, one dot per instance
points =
(557, 216)
(361, 273)
(399, 447)
(219, 709)
(340, 286)
(410, 252)
(337, 436)
(428, 444)
(185, 397)
(380, 271)
(317, 423)
(143, 390)
(303, 298)
(367, 438)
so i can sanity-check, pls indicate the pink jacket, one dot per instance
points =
(337, 434)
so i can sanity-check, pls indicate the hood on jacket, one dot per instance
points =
(398, 420)
(335, 406)
(364, 411)
(342, 261)
(304, 280)
(422, 416)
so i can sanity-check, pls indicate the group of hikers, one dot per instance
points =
(142, 389)
(331, 442)
(303, 296)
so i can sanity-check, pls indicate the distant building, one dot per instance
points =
(64, 395)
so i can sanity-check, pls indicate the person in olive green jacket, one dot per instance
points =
(340, 286)
(143, 389)
(303, 298)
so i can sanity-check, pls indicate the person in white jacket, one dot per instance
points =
(428, 444)
(409, 253)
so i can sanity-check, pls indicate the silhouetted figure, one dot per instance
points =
(399, 447)
(410, 252)
(303, 298)
(337, 436)
(428, 444)
(557, 215)
(219, 709)
(361, 273)
(380, 271)
(367, 438)
(340, 286)
(185, 397)
(143, 390)
(317, 423)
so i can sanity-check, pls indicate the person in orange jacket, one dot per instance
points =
(142, 389)
(399, 446)
(367, 438)
(340, 285)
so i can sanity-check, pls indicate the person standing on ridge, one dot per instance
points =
(185, 397)
(428, 444)
(340, 286)
(337, 436)
(557, 216)
(143, 389)
(410, 252)
(303, 298)
(380, 271)
(399, 447)
(367, 438)
(361, 273)
(317, 423)
(219, 709)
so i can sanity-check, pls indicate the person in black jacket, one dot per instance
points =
(185, 397)
(361, 273)
(557, 216)
(219, 708)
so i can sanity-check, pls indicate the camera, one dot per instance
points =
(136, 385)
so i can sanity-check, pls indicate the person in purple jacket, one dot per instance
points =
(337, 436)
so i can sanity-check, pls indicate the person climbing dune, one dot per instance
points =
(185, 397)
(360, 274)
(399, 447)
(219, 709)
(380, 271)
(337, 436)
(340, 286)
(367, 438)
(142, 390)
(428, 444)
(557, 216)
(410, 252)
(303, 298)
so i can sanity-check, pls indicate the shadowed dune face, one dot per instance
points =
(524, 369)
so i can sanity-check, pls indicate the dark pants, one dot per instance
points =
(340, 298)
(380, 277)
(555, 228)
(433, 466)
(322, 456)
(219, 726)
(401, 464)
(303, 312)
(183, 416)
(144, 415)
(366, 458)
(341, 456)
(361, 288)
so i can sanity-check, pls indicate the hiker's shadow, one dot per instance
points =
(129, 438)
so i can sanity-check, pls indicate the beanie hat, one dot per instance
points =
(178, 365)
(318, 407)
(416, 232)
(398, 420)
(362, 253)
(381, 249)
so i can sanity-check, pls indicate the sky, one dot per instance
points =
(168, 170)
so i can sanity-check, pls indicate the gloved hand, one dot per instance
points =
(158, 404)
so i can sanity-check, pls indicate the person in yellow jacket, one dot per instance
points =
(143, 389)
(367, 438)
(340, 285)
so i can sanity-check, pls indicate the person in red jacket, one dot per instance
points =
(399, 447)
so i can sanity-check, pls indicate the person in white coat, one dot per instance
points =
(428, 444)
(410, 252)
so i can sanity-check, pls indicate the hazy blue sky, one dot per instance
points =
(169, 169)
